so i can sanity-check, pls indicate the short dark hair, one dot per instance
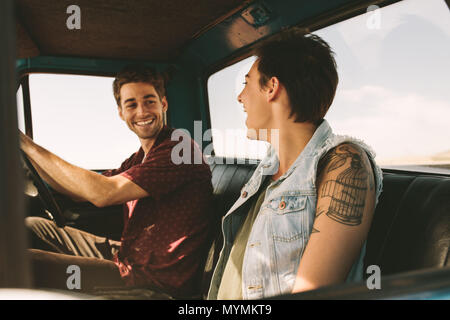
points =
(305, 65)
(139, 73)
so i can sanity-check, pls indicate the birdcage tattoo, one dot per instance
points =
(348, 193)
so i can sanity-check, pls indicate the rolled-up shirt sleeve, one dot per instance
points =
(126, 164)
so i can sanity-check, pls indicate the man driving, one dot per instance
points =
(166, 206)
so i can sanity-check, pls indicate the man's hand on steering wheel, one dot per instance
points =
(48, 200)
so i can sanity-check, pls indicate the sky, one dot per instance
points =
(393, 93)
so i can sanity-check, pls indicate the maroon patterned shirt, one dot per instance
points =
(165, 236)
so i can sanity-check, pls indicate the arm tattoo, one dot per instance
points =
(348, 191)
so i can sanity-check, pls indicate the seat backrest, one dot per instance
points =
(411, 224)
(227, 181)
(410, 229)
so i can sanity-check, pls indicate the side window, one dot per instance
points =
(76, 117)
(394, 83)
(20, 113)
(393, 90)
(229, 132)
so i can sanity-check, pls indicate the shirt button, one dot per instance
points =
(282, 205)
(252, 245)
(244, 194)
(254, 287)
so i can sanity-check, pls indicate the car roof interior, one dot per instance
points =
(164, 31)
(151, 30)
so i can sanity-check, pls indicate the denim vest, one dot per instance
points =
(280, 233)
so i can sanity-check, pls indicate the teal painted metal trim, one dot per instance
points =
(443, 294)
(78, 65)
(228, 37)
(185, 101)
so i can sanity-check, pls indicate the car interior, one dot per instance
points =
(410, 235)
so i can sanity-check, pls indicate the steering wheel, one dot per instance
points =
(48, 201)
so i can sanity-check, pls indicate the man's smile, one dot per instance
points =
(144, 122)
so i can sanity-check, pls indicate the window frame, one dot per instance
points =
(312, 25)
(77, 66)
(24, 80)
(63, 72)
(23, 75)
